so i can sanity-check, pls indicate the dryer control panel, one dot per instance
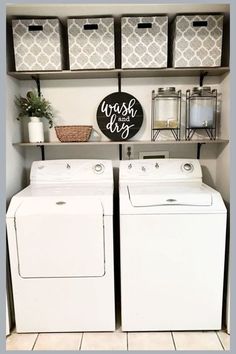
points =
(71, 171)
(161, 170)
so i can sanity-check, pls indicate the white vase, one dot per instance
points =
(35, 127)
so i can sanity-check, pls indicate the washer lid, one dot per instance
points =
(153, 195)
(60, 237)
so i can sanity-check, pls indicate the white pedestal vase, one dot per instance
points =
(35, 127)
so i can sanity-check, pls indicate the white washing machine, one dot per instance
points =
(60, 234)
(172, 236)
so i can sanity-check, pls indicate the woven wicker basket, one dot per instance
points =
(73, 133)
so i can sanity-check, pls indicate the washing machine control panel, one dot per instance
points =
(71, 171)
(161, 169)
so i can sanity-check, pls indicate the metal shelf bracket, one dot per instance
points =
(37, 80)
(203, 74)
(119, 81)
(199, 146)
(119, 90)
(42, 151)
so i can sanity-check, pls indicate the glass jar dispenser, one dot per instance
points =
(166, 111)
(201, 111)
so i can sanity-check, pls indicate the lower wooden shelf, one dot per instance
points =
(129, 142)
(119, 144)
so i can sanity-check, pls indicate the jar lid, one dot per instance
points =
(166, 90)
(201, 89)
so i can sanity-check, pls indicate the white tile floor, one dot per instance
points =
(207, 340)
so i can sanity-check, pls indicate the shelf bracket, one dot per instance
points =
(199, 146)
(120, 151)
(37, 80)
(203, 74)
(119, 82)
(42, 152)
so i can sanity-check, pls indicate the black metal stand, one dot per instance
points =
(175, 132)
(211, 132)
(190, 131)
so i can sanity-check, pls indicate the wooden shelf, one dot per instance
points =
(113, 73)
(129, 142)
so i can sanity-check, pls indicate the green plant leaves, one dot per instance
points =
(34, 105)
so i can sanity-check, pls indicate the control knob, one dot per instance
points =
(99, 168)
(188, 167)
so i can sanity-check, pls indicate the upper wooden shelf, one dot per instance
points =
(128, 142)
(113, 73)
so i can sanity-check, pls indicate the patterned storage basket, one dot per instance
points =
(91, 43)
(144, 42)
(37, 45)
(73, 133)
(197, 40)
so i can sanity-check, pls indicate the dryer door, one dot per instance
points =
(60, 237)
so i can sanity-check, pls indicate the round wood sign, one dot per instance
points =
(119, 116)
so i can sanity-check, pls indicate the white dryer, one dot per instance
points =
(60, 234)
(172, 236)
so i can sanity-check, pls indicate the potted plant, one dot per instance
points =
(35, 107)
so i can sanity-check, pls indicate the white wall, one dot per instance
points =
(7, 318)
(223, 182)
(76, 102)
(14, 156)
(223, 158)
(14, 165)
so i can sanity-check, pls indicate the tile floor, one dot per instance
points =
(207, 340)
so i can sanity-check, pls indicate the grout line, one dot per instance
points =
(220, 340)
(173, 339)
(80, 345)
(127, 340)
(35, 341)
